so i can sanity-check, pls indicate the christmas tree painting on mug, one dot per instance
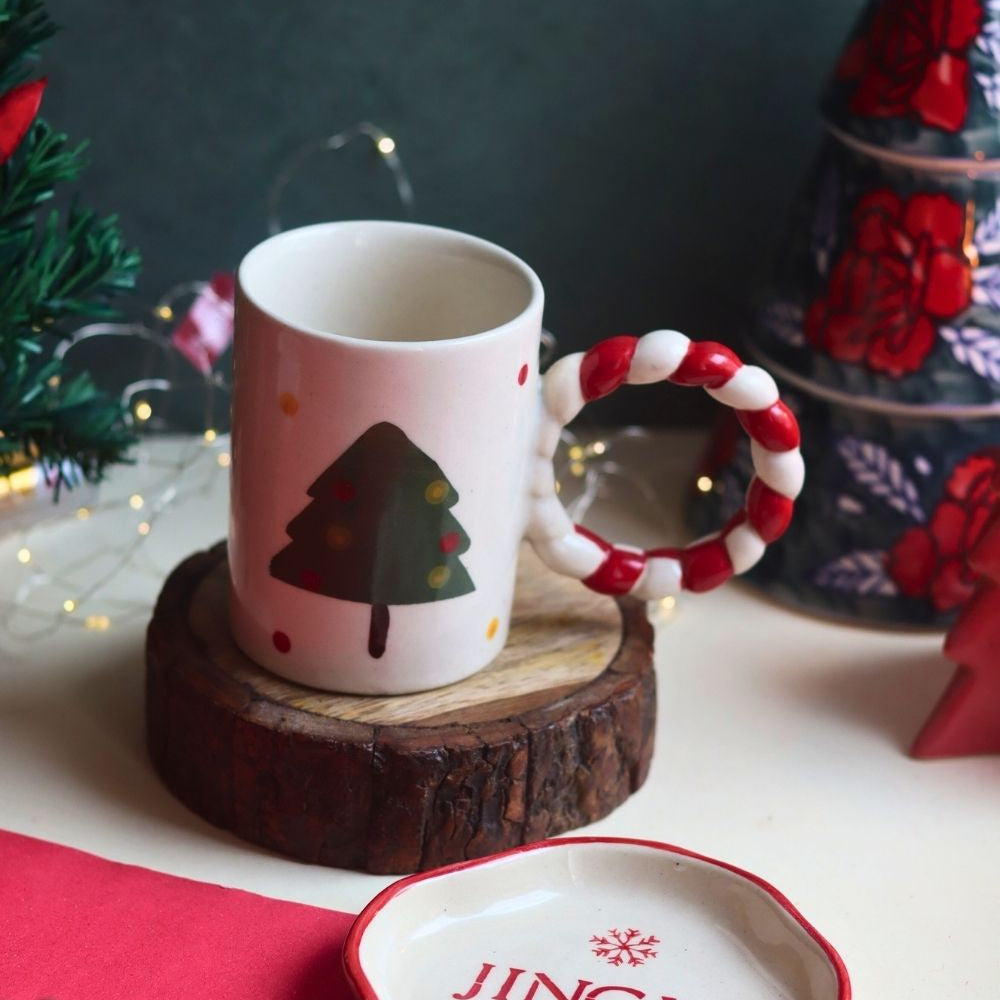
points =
(379, 531)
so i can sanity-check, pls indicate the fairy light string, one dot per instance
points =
(594, 469)
(54, 591)
(51, 592)
(43, 590)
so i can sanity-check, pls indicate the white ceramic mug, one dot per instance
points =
(393, 442)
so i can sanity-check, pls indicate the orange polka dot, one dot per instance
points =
(491, 629)
(289, 404)
(338, 537)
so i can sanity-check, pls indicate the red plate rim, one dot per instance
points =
(363, 988)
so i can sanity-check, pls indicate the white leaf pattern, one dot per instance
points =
(987, 235)
(991, 23)
(861, 572)
(784, 320)
(883, 476)
(986, 286)
(989, 43)
(990, 85)
(976, 348)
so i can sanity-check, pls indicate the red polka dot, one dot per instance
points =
(449, 542)
(522, 375)
(281, 642)
(344, 491)
(310, 579)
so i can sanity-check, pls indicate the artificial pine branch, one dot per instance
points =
(54, 274)
(24, 25)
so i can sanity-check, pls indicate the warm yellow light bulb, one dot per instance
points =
(135, 501)
(386, 145)
(668, 603)
(69, 605)
(223, 459)
(20, 481)
(24, 556)
(82, 513)
(210, 435)
(143, 411)
(164, 312)
(599, 447)
(704, 484)
(97, 623)
(143, 528)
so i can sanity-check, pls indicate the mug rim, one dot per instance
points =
(505, 257)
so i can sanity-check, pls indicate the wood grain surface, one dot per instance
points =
(554, 734)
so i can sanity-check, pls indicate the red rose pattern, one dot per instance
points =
(904, 272)
(914, 61)
(930, 559)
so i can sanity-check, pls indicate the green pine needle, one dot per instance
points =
(55, 275)
(24, 25)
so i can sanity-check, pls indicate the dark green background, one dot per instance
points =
(640, 155)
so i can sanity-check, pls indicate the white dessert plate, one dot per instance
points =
(586, 918)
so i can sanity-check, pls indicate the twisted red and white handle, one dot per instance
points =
(666, 356)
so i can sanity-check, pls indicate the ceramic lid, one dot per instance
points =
(921, 77)
(886, 293)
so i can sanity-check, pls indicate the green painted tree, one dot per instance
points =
(378, 531)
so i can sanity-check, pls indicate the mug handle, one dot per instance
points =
(666, 356)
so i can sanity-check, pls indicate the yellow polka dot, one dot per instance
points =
(436, 491)
(438, 577)
(289, 404)
(491, 629)
(338, 537)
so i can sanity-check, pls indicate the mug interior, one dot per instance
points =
(386, 281)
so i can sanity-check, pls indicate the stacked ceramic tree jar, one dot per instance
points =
(883, 323)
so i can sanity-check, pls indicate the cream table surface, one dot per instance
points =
(780, 746)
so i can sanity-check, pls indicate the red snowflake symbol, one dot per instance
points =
(624, 947)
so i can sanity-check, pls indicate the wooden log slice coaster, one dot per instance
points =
(556, 733)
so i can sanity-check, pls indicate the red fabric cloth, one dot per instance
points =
(73, 925)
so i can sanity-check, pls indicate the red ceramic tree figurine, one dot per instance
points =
(967, 719)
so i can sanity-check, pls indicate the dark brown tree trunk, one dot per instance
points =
(378, 631)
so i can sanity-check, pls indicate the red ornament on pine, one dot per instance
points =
(966, 721)
(18, 108)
